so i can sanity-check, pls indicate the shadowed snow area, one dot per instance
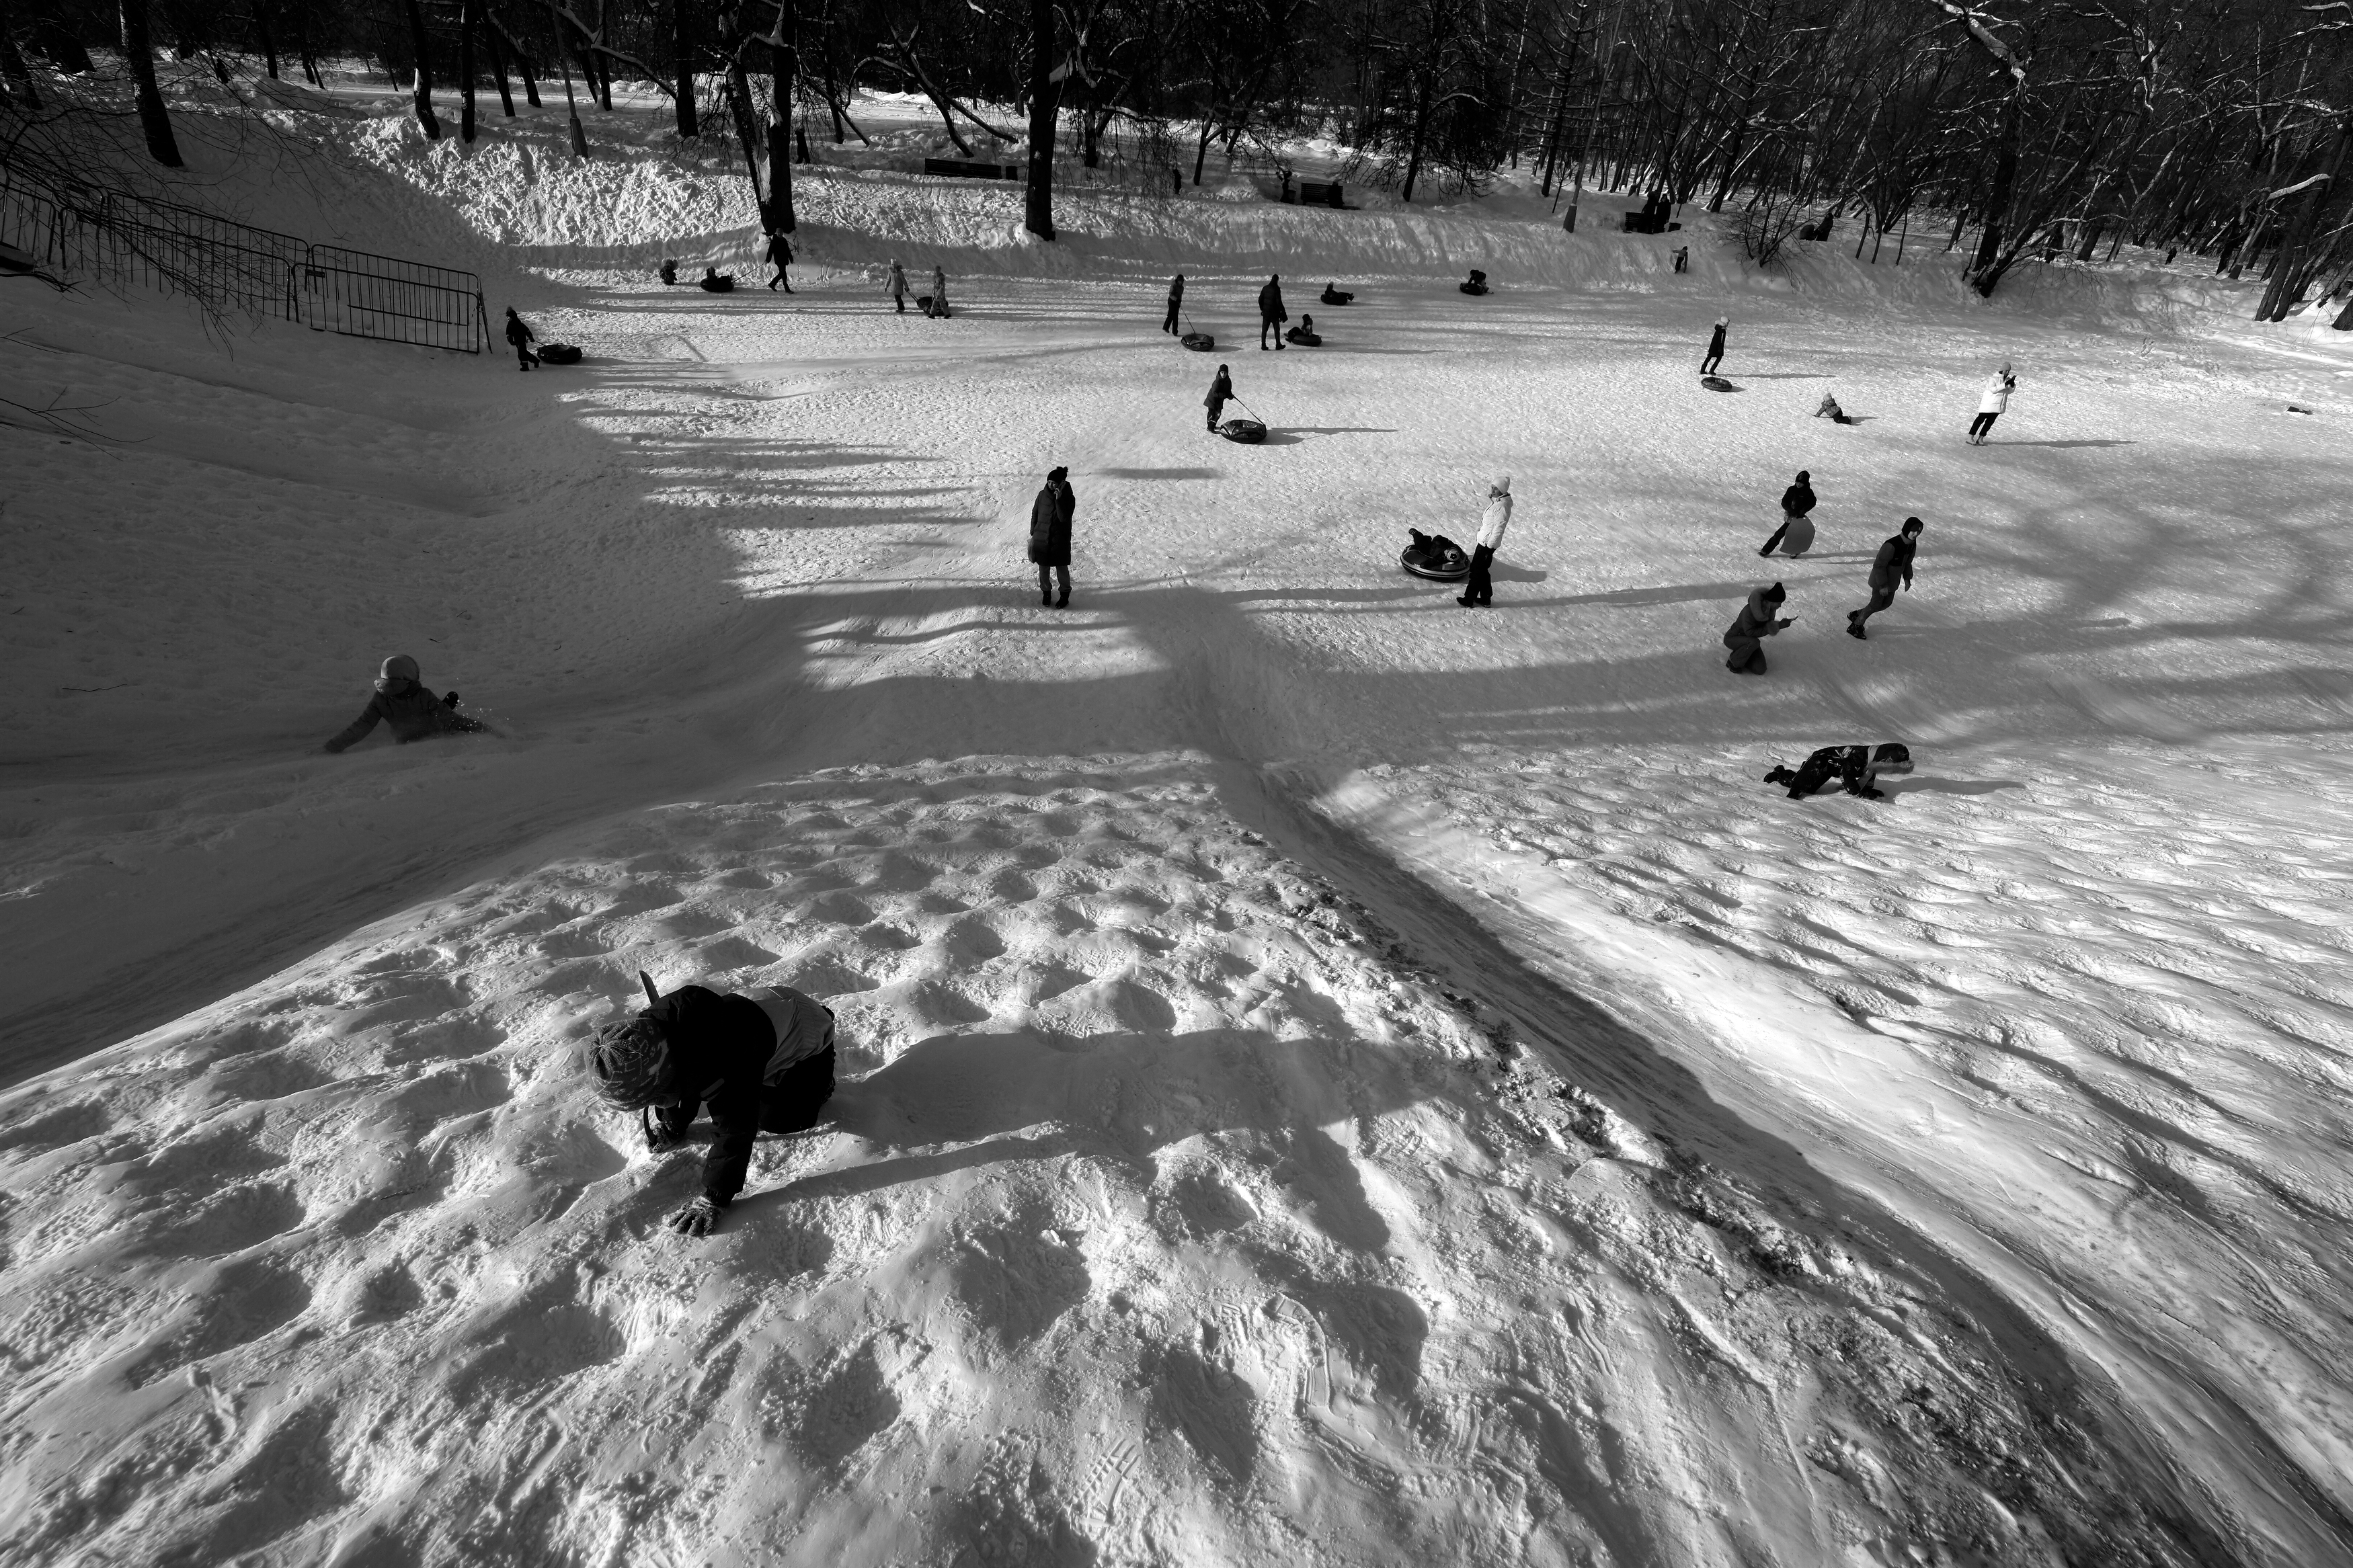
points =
(1327, 1076)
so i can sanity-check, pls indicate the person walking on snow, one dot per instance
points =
(1756, 621)
(1479, 591)
(1049, 536)
(519, 333)
(1891, 565)
(896, 287)
(939, 305)
(1993, 404)
(762, 1061)
(780, 256)
(1715, 347)
(1797, 531)
(1221, 387)
(1175, 303)
(413, 712)
(1271, 313)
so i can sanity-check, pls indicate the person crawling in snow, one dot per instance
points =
(1856, 769)
(413, 712)
(761, 1061)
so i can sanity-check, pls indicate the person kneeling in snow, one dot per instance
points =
(1746, 636)
(762, 1061)
(1855, 768)
(413, 712)
(1829, 409)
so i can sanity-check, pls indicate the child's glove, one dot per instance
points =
(696, 1218)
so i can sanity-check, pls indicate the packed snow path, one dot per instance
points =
(1333, 1077)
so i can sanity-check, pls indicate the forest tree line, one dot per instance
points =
(2030, 129)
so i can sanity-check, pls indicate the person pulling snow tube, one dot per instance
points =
(1475, 284)
(558, 353)
(1333, 295)
(1434, 556)
(1249, 432)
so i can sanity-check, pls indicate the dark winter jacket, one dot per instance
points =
(1176, 289)
(780, 249)
(1893, 564)
(517, 333)
(723, 1051)
(1716, 341)
(1759, 617)
(1798, 500)
(413, 712)
(1221, 390)
(1049, 524)
(1269, 304)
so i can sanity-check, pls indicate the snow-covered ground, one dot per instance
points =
(1331, 1077)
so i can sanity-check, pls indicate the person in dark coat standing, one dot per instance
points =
(1715, 347)
(519, 333)
(1891, 565)
(761, 1060)
(780, 256)
(1755, 622)
(1795, 502)
(1221, 388)
(1176, 304)
(1271, 313)
(1049, 536)
(413, 712)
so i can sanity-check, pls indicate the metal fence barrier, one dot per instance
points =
(233, 266)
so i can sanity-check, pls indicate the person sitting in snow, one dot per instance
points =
(670, 270)
(761, 1061)
(1829, 409)
(1221, 388)
(413, 712)
(715, 282)
(1856, 769)
(1305, 334)
(1746, 636)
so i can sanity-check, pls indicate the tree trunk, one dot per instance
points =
(139, 54)
(739, 101)
(571, 108)
(530, 78)
(2289, 274)
(2005, 175)
(424, 71)
(1420, 129)
(499, 65)
(681, 33)
(1045, 102)
(784, 65)
(62, 47)
(465, 70)
(268, 40)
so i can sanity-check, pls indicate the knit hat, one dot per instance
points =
(630, 1061)
(1054, 475)
(1503, 485)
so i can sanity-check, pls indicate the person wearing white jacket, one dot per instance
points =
(1993, 404)
(1479, 592)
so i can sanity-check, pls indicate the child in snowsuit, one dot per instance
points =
(780, 256)
(1271, 313)
(413, 712)
(519, 333)
(1755, 622)
(1715, 347)
(762, 1061)
(1480, 592)
(1829, 409)
(897, 288)
(1993, 404)
(1891, 565)
(1855, 768)
(1176, 304)
(1221, 387)
(1305, 334)
(1796, 530)
(1049, 536)
(939, 305)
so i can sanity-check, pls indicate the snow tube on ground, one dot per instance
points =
(1472, 288)
(718, 285)
(1304, 339)
(1249, 432)
(558, 353)
(1199, 343)
(1334, 296)
(1441, 560)
(1717, 384)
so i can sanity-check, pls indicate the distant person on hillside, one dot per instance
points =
(1715, 347)
(1221, 388)
(762, 1061)
(1797, 531)
(1049, 536)
(519, 333)
(1683, 259)
(1271, 313)
(1756, 621)
(897, 286)
(413, 712)
(1827, 408)
(1993, 404)
(780, 256)
(1891, 566)
(939, 305)
(1176, 304)
(1334, 295)
(1479, 592)
(1856, 769)
(670, 270)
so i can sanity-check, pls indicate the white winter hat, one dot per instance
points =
(1503, 485)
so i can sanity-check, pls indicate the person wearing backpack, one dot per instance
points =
(759, 1061)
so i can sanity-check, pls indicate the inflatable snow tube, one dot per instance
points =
(1334, 296)
(1304, 339)
(718, 285)
(1249, 432)
(1442, 562)
(1472, 288)
(1717, 384)
(558, 353)
(1199, 343)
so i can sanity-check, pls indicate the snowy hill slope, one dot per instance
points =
(1330, 1076)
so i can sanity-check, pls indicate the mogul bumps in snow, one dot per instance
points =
(413, 712)
(1856, 769)
(761, 1061)
(1746, 636)
(1796, 535)
(1891, 566)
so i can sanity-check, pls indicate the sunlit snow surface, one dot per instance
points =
(1330, 1076)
